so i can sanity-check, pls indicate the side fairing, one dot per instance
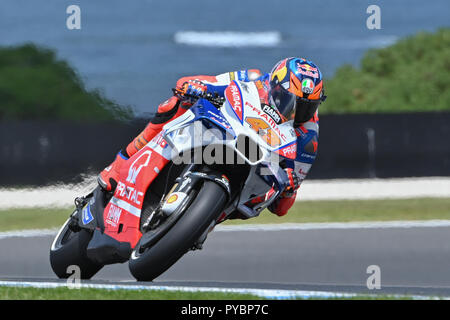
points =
(123, 212)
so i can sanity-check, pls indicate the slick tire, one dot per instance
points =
(69, 249)
(206, 207)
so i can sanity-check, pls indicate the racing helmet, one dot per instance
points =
(296, 89)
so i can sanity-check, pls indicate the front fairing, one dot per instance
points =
(241, 116)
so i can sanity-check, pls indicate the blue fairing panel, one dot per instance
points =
(204, 110)
(220, 90)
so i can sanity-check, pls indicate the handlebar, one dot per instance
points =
(215, 99)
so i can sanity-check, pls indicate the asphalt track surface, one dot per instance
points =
(412, 261)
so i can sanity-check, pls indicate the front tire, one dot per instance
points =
(206, 207)
(69, 248)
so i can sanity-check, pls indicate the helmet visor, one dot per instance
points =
(289, 104)
(283, 100)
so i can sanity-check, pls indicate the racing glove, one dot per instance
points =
(294, 184)
(194, 88)
(286, 199)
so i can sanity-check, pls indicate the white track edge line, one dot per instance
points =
(336, 225)
(274, 227)
(278, 294)
(28, 233)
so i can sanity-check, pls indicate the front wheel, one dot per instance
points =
(147, 264)
(69, 248)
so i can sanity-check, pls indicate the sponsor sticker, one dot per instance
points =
(272, 113)
(302, 169)
(159, 140)
(172, 203)
(87, 215)
(289, 151)
(307, 86)
(129, 193)
(114, 214)
(242, 75)
(265, 118)
(219, 120)
(307, 70)
(172, 198)
(234, 97)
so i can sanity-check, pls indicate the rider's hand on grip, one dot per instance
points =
(294, 183)
(194, 88)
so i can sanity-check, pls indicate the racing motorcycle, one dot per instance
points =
(168, 198)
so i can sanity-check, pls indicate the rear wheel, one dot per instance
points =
(69, 248)
(148, 263)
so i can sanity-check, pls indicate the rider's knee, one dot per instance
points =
(166, 110)
(168, 105)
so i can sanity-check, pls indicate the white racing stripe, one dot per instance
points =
(275, 227)
(228, 38)
(126, 206)
(263, 293)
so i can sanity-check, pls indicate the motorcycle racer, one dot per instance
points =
(293, 90)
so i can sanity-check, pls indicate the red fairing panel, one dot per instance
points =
(234, 97)
(125, 207)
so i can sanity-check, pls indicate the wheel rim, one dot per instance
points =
(63, 236)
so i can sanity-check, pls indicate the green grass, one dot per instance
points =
(64, 293)
(20, 219)
(301, 212)
(358, 210)
(14, 293)
(372, 297)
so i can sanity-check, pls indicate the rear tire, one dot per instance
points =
(69, 248)
(206, 207)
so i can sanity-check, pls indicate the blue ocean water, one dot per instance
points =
(128, 49)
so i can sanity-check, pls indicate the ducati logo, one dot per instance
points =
(137, 166)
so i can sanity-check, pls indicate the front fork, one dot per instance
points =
(176, 201)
